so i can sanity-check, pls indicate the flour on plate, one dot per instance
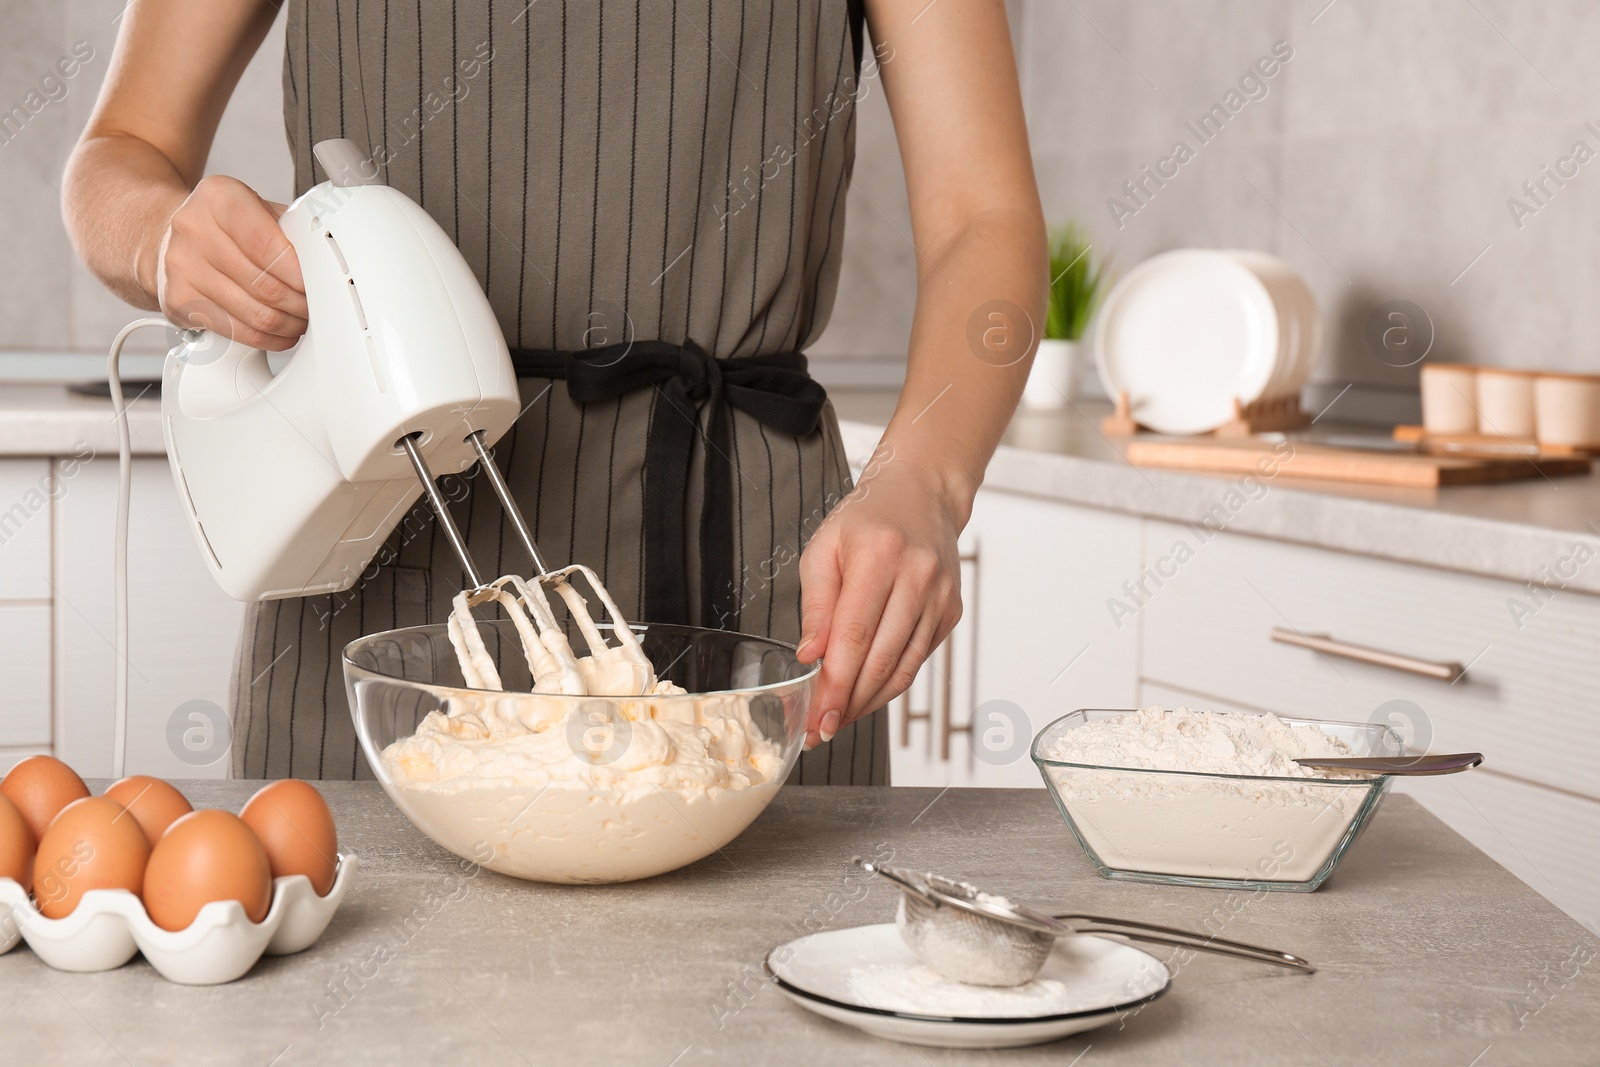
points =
(918, 990)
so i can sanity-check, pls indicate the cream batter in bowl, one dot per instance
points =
(578, 788)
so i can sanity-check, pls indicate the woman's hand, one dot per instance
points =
(226, 266)
(880, 587)
(880, 581)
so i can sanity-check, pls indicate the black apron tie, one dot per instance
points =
(773, 389)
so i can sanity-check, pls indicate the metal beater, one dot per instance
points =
(620, 669)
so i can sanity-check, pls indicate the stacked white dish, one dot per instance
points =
(1188, 334)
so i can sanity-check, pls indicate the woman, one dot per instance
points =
(666, 176)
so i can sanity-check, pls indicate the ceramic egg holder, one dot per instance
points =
(109, 925)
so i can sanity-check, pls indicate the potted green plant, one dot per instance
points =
(1077, 283)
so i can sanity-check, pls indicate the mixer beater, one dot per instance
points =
(612, 670)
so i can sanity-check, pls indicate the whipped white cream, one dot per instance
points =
(639, 779)
(603, 790)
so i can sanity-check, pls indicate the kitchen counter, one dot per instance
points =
(1429, 953)
(1514, 530)
(46, 419)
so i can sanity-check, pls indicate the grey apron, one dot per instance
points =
(641, 170)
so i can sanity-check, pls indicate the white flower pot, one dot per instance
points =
(1053, 382)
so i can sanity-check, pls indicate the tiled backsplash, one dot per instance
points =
(1380, 158)
(1388, 151)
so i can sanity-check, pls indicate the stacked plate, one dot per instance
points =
(1187, 333)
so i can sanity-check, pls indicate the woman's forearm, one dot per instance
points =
(979, 313)
(144, 149)
(120, 192)
(950, 79)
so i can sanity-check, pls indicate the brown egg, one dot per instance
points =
(40, 786)
(93, 844)
(206, 855)
(153, 802)
(296, 828)
(16, 845)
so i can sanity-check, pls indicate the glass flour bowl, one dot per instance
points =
(1230, 831)
(606, 809)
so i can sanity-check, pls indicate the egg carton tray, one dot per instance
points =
(109, 925)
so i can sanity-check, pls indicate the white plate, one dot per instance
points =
(1299, 320)
(1100, 978)
(1185, 334)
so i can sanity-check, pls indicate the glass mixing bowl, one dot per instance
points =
(1230, 831)
(610, 812)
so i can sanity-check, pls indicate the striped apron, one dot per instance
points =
(666, 174)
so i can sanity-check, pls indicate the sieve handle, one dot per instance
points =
(894, 875)
(1167, 935)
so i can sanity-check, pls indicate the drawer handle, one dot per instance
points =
(1444, 672)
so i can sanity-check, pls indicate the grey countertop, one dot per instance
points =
(1429, 953)
(46, 419)
(1512, 530)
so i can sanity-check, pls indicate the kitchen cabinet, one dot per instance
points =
(182, 628)
(27, 492)
(57, 624)
(27, 496)
(25, 665)
(1530, 675)
(1035, 642)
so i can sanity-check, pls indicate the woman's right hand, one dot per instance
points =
(225, 265)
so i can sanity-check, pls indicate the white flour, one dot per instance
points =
(918, 990)
(1204, 827)
(1212, 741)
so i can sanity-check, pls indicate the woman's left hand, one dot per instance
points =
(880, 588)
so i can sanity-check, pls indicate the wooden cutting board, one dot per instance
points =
(1303, 460)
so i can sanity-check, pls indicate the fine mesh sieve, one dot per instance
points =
(983, 939)
(968, 935)
(972, 947)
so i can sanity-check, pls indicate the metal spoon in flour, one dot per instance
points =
(1440, 763)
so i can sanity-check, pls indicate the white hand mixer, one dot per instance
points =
(292, 481)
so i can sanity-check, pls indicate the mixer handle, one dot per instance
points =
(345, 164)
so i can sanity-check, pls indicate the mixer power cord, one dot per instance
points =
(119, 743)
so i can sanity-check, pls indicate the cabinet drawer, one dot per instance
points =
(1526, 701)
(25, 666)
(1543, 837)
(26, 488)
